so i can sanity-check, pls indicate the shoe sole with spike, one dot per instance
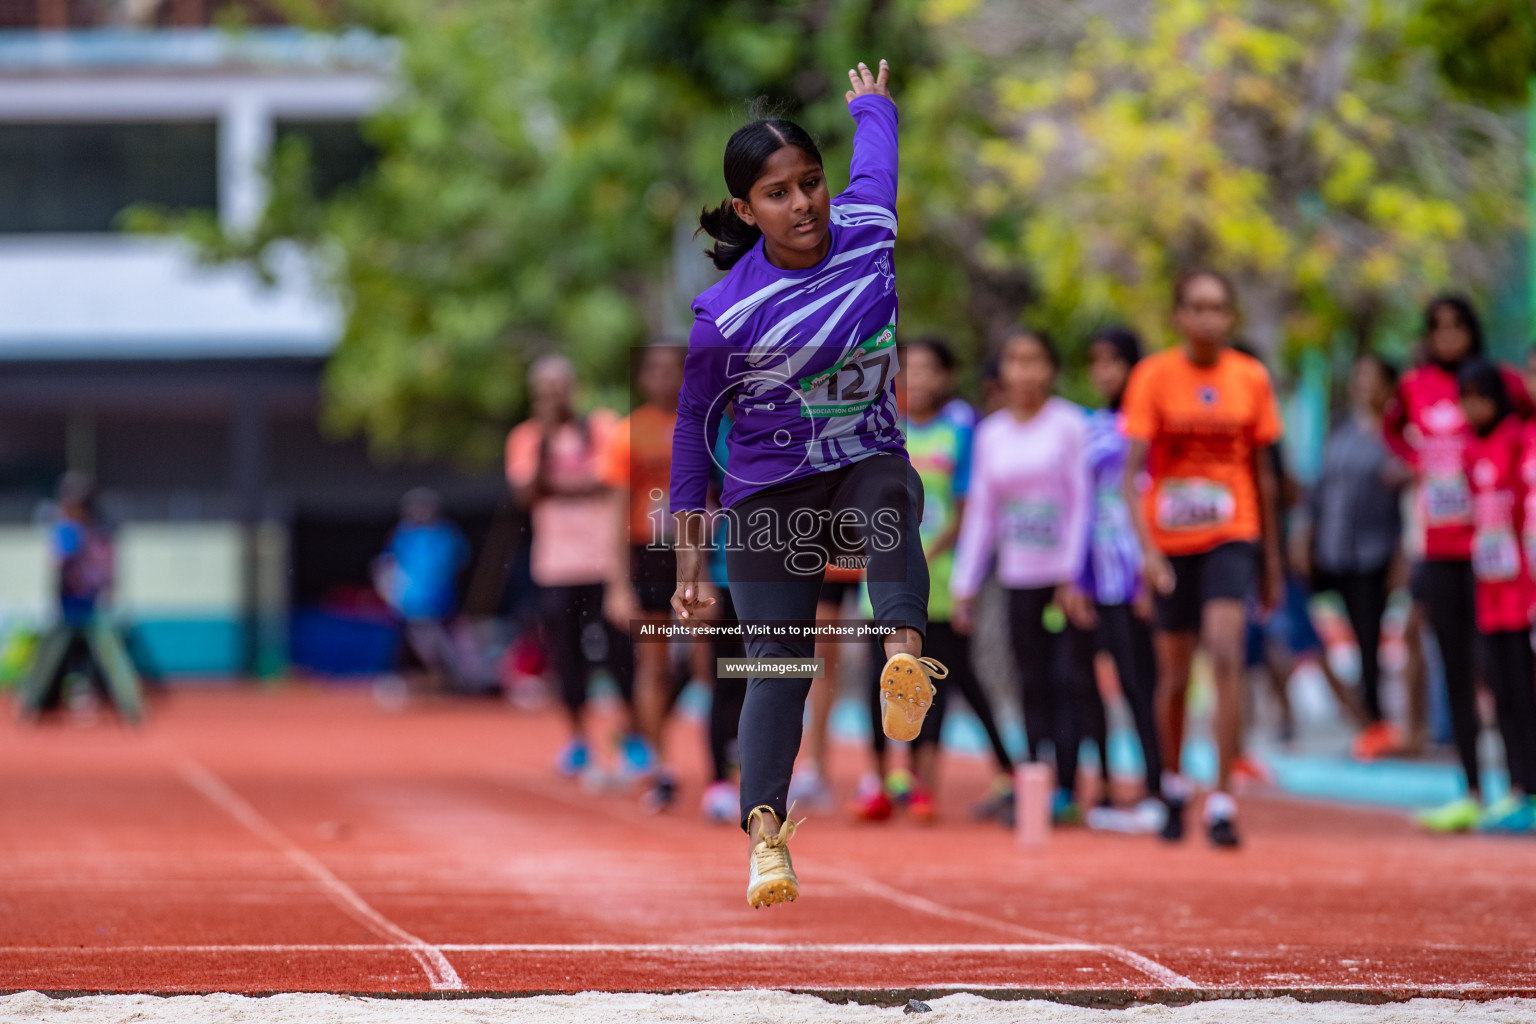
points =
(906, 694)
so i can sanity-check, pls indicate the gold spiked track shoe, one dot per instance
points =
(906, 694)
(771, 877)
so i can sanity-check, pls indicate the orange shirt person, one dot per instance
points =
(1199, 417)
(638, 467)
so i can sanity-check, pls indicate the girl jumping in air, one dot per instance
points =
(799, 340)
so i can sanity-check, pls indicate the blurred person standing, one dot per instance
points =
(1496, 459)
(1200, 418)
(1427, 428)
(554, 466)
(84, 640)
(1029, 503)
(638, 466)
(939, 444)
(417, 575)
(1112, 572)
(1354, 530)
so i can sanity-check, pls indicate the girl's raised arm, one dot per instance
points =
(872, 176)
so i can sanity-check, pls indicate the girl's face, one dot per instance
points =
(926, 381)
(1026, 371)
(1205, 314)
(1107, 371)
(789, 203)
(1479, 410)
(1449, 339)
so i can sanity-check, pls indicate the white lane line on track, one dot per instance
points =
(1151, 968)
(440, 973)
(667, 948)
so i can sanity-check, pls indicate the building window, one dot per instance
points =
(338, 153)
(81, 177)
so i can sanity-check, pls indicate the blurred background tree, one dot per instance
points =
(541, 169)
(1303, 147)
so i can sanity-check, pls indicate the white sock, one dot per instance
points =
(1176, 786)
(1220, 806)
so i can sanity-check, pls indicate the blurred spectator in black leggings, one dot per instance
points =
(1356, 527)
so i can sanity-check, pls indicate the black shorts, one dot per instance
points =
(1226, 572)
(654, 572)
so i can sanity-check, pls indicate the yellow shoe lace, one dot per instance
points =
(936, 670)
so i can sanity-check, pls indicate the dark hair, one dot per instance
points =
(1384, 366)
(1040, 337)
(1480, 377)
(1188, 277)
(745, 154)
(939, 347)
(1464, 312)
(1125, 341)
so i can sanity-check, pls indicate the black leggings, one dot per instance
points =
(725, 702)
(567, 615)
(1446, 588)
(776, 575)
(953, 650)
(1365, 601)
(1511, 671)
(1049, 680)
(1129, 642)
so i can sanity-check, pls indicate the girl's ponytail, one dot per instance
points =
(734, 237)
(745, 155)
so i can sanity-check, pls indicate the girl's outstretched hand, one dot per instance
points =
(867, 83)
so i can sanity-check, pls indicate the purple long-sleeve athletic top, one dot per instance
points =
(806, 356)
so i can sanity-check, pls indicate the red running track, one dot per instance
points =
(296, 839)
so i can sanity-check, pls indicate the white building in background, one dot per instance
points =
(191, 392)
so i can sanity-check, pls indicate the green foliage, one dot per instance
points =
(1301, 147)
(1485, 48)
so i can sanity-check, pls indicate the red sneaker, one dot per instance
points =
(1246, 770)
(871, 804)
(1376, 741)
(920, 807)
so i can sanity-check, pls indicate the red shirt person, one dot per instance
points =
(1428, 429)
(1494, 458)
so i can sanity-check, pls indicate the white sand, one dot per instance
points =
(751, 1007)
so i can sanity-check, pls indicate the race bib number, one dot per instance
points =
(856, 382)
(1495, 555)
(1194, 504)
(1033, 524)
(1447, 501)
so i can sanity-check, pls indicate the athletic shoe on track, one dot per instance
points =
(1173, 818)
(662, 793)
(770, 873)
(1064, 809)
(1145, 819)
(1248, 770)
(998, 805)
(1513, 815)
(721, 804)
(1376, 741)
(636, 758)
(1222, 833)
(573, 758)
(1457, 816)
(906, 694)
(920, 807)
(871, 802)
(808, 789)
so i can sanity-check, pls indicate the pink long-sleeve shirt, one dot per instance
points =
(1029, 500)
